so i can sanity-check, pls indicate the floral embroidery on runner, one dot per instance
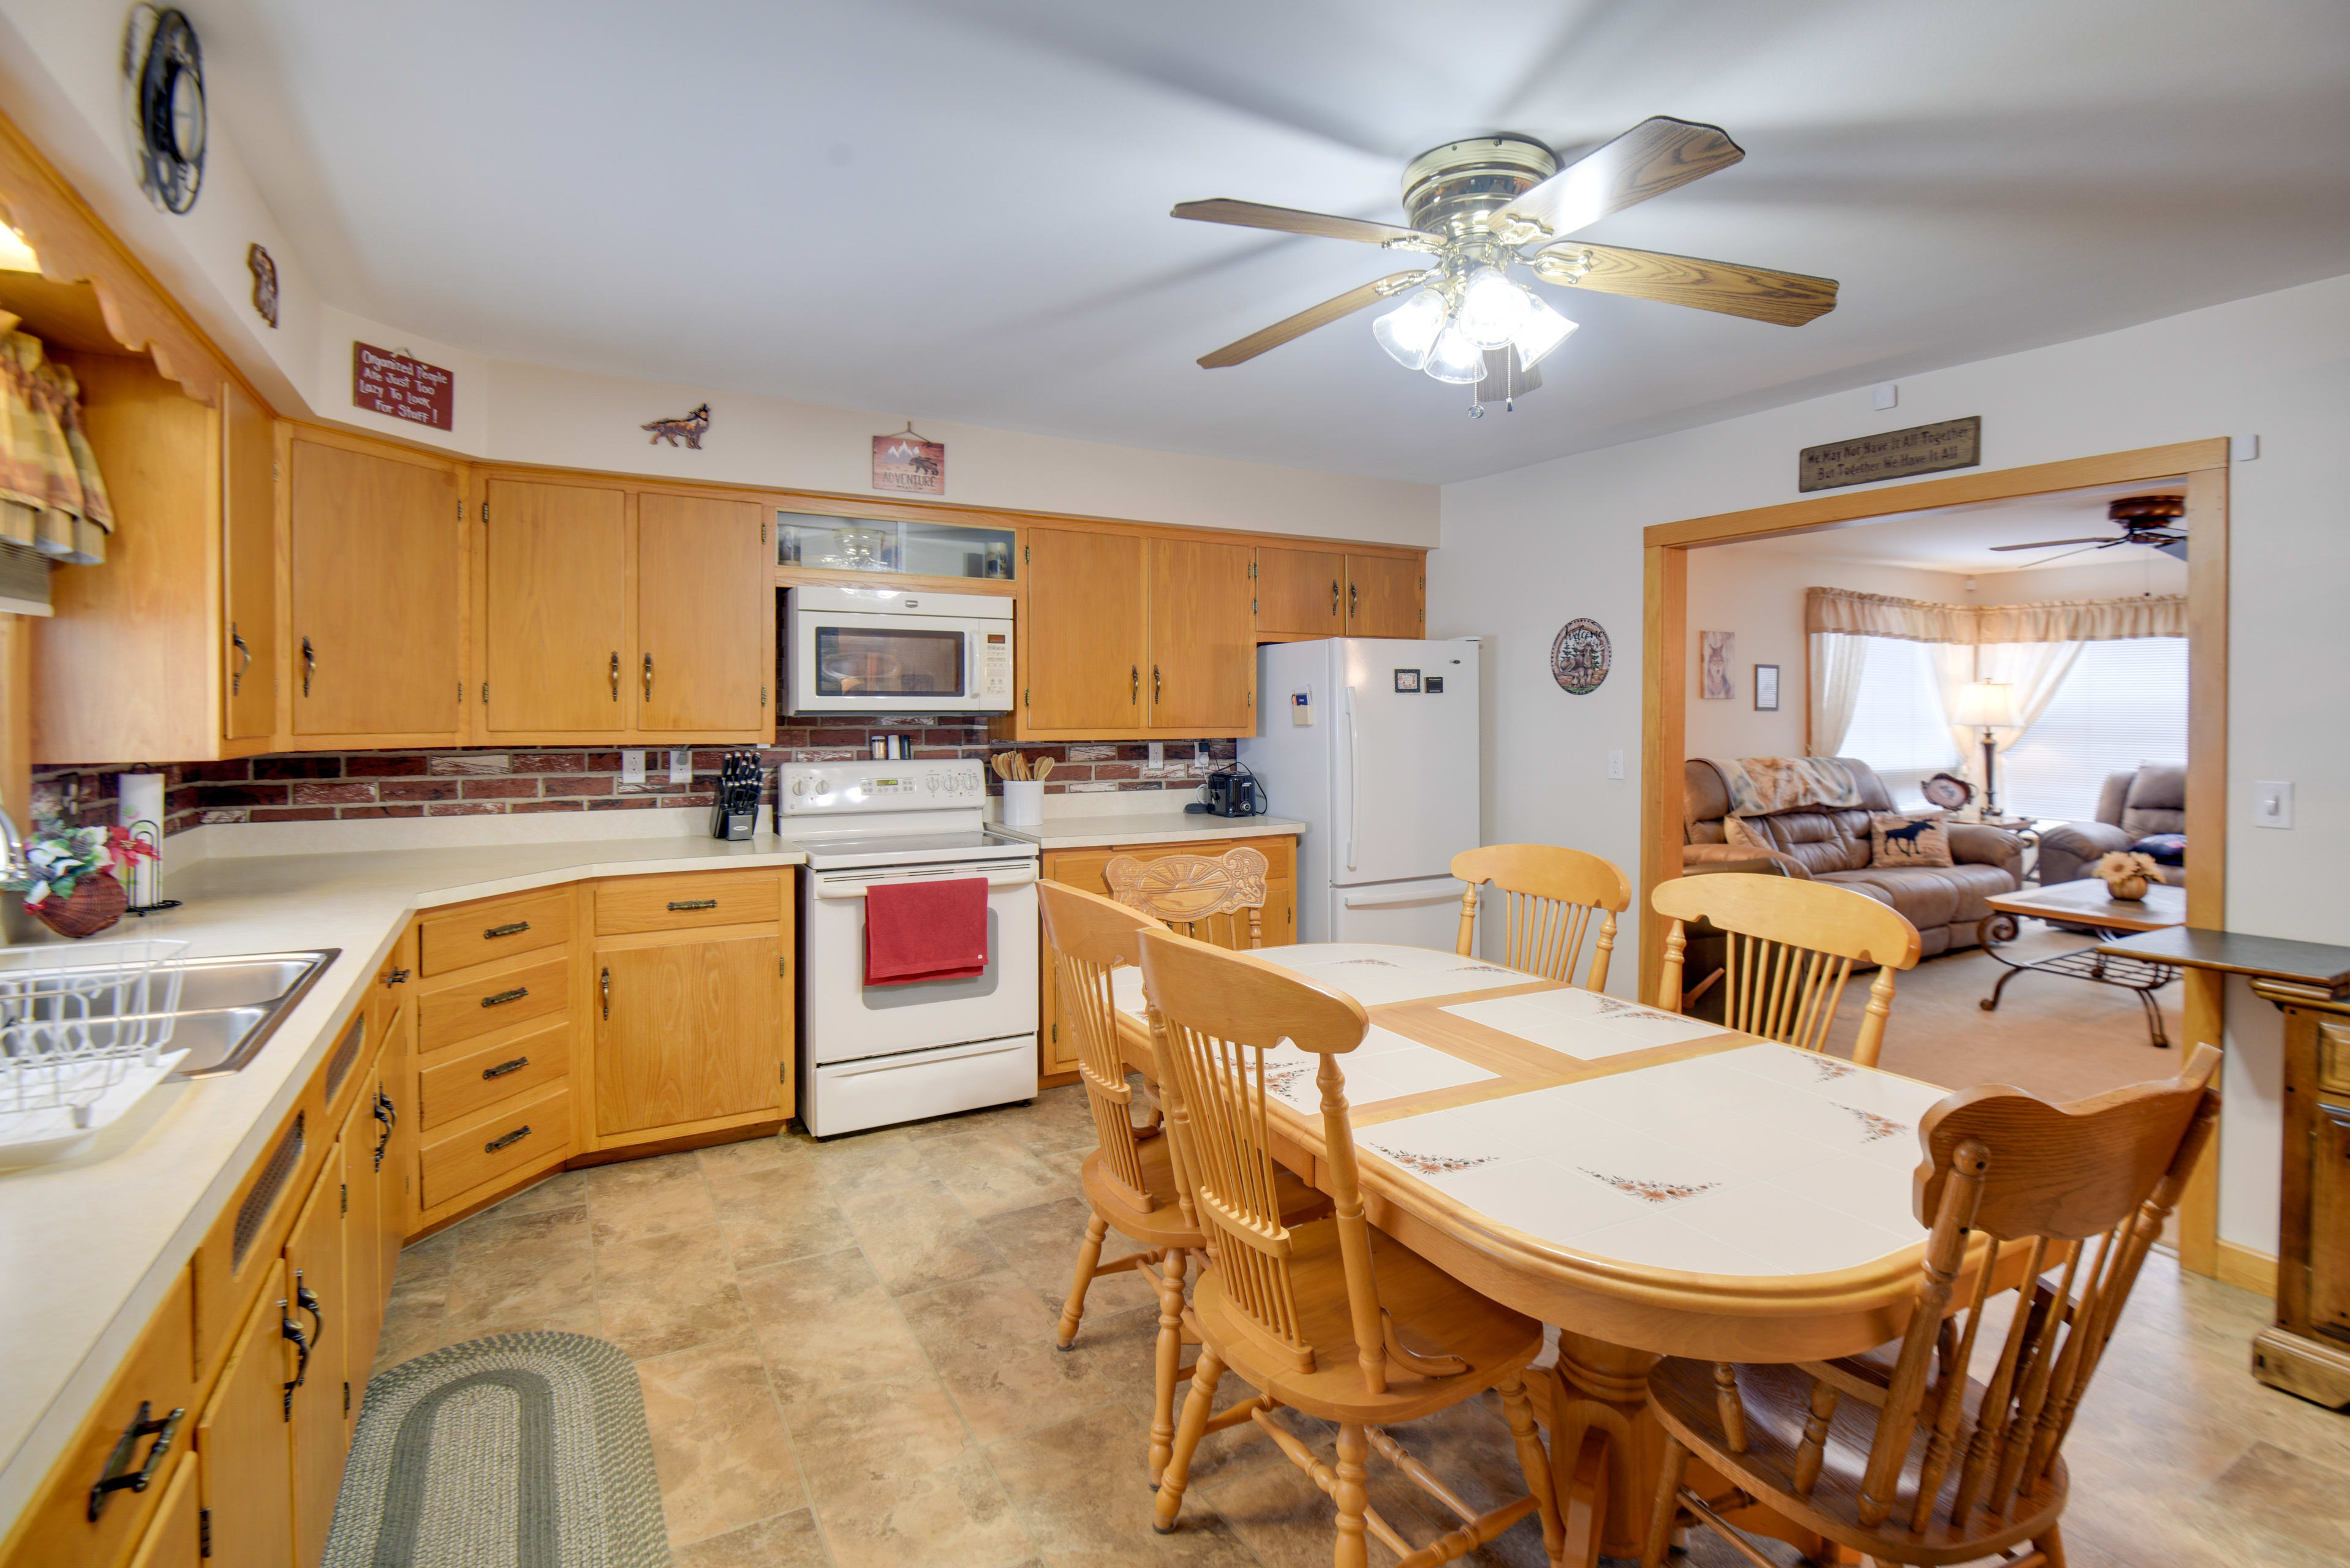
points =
(1829, 1069)
(1434, 1164)
(1610, 1007)
(1281, 1080)
(1371, 963)
(1649, 1191)
(1879, 1127)
(1481, 969)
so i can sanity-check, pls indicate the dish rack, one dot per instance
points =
(82, 1034)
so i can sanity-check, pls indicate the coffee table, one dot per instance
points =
(2084, 903)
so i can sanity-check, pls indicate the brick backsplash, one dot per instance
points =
(482, 781)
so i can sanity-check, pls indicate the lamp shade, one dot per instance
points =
(1985, 705)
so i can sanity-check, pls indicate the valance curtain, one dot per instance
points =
(1829, 610)
(51, 497)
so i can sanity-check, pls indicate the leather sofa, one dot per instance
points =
(2149, 799)
(1944, 902)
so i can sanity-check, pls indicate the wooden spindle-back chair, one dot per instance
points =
(1214, 898)
(1548, 895)
(2041, 1215)
(1318, 1315)
(1789, 946)
(1131, 1180)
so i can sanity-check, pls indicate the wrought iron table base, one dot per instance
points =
(2139, 976)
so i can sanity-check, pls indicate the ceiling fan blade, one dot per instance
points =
(1306, 320)
(1290, 221)
(2052, 544)
(1786, 298)
(1654, 156)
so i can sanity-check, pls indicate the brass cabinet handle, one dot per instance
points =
(503, 1068)
(509, 1140)
(515, 930)
(291, 1331)
(1154, 683)
(309, 665)
(693, 903)
(500, 998)
(118, 1476)
(649, 677)
(616, 675)
(1354, 600)
(1134, 683)
(244, 649)
(607, 983)
(385, 1116)
(396, 977)
(1334, 595)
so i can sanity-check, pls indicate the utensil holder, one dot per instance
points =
(1024, 803)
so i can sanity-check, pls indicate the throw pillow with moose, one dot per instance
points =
(1908, 840)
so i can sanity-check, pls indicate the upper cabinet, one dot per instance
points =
(375, 545)
(1383, 595)
(1084, 636)
(705, 618)
(1202, 651)
(1323, 593)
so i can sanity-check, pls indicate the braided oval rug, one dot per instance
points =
(521, 1451)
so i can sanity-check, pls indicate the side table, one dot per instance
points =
(2084, 903)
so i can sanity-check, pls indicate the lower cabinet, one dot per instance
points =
(679, 1030)
(319, 1287)
(176, 1538)
(245, 1443)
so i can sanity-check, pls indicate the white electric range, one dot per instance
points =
(874, 1056)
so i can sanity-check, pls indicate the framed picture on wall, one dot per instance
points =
(1767, 689)
(1713, 665)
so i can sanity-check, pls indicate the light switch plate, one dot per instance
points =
(2273, 803)
(1157, 754)
(1615, 762)
(632, 767)
(680, 764)
(1884, 395)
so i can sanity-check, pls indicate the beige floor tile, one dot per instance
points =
(664, 1292)
(519, 1272)
(719, 1444)
(992, 1172)
(560, 1190)
(955, 1516)
(1083, 1490)
(429, 1259)
(870, 1162)
(648, 1198)
(773, 1213)
(1041, 1244)
(825, 1323)
(787, 1541)
(919, 1237)
(755, 1153)
(860, 1438)
(412, 1320)
(992, 1342)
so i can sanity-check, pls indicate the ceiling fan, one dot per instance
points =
(1478, 207)
(2142, 519)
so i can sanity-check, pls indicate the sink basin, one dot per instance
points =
(230, 1006)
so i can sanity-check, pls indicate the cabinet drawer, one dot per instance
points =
(683, 903)
(159, 1374)
(492, 1002)
(482, 933)
(2333, 1057)
(466, 1084)
(529, 1131)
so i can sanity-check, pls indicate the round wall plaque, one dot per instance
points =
(1580, 656)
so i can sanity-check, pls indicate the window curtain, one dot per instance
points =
(1838, 663)
(2034, 671)
(2056, 620)
(51, 497)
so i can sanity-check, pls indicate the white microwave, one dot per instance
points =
(891, 651)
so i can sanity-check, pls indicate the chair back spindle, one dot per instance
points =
(1089, 936)
(1214, 898)
(1548, 896)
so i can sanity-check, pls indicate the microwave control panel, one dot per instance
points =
(995, 667)
(808, 789)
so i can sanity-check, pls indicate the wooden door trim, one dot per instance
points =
(1664, 652)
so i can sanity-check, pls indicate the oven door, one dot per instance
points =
(859, 661)
(848, 1020)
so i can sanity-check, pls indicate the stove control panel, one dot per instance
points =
(812, 788)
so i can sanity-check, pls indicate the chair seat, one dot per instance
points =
(1161, 1225)
(1435, 1315)
(1776, 1400)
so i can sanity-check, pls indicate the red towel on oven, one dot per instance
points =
(925, 930)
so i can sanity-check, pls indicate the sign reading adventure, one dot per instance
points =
(386, 381)
(910, 462)
(1921, 448)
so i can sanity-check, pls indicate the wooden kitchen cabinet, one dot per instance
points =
(176, 1538)
(706, 619)
(244, 1449)
(1301, 593)
(2307, 1350)
(1383, 595)
(1084, 637)
(557, 637)
(1202, 644)
(318, 1287)
(375, 550)
(250, 663)
(366, 1269)
(689, 1031)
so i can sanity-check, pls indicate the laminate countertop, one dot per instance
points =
(1146, 827)
(90, 1245)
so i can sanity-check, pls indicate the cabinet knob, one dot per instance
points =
(616, 675)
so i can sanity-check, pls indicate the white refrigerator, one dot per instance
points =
(1372, 742)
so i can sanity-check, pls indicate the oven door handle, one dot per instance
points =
(996, 881)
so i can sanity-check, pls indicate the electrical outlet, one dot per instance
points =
(632, 767)
(1616, 762)
(2273, 803)
(680, 764)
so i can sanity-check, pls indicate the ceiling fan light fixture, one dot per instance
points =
(1455, 357)
(1409, 330)
(1493, 307)
(1543, 330)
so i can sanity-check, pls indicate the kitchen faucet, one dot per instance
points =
(14, 866)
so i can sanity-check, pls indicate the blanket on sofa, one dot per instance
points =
(1761, 785)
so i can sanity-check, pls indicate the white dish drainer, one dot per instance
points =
(82, 1034)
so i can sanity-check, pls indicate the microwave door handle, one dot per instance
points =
(970, 676)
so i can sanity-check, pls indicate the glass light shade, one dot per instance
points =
(1985, 705)
(1543, 330)
(1493, 307)
(1409, 330)
(15, 256)
(1455, 357)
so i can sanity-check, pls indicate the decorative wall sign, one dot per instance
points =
(1767, 689)
(391, 382)
(910, 462)
(264, 283)
(1713, 664)
(1580, 656)
(1921, 448)
(691, 427)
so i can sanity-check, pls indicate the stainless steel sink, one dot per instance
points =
(230, 1006)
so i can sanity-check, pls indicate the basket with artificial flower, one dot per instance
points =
(72, 888)
(2125, 873)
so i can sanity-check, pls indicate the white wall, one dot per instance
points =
(1525, 551)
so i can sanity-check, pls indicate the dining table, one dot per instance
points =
(1648, 1183)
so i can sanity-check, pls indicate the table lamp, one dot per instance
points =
(1986, 705)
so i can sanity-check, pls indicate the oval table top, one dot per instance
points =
(1629, 1174)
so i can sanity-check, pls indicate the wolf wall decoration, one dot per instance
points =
(691, 427)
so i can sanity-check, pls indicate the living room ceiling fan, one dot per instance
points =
(1480, 207)
(2142, 519)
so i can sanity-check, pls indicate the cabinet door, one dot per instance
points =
(175, 1540)
(1301, 593)
(1383, 596)
(2329, 1219)
(705, 614)
(244, 1445)
(555, 609)
(1087, 626)
(365, 1281)
(689, 1030)
(249, 568)
(374, 543)
(1202, 635)
(317, 1283)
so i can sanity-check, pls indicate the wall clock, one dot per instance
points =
(163, 82)
(1580, 656)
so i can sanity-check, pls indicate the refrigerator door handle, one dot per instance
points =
(1398, 900)
(1354, 775)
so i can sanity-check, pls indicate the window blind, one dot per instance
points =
(2124, 703)
(1897, 726)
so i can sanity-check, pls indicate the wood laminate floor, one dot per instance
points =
(847, 1359)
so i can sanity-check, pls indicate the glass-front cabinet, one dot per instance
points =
(893, 545)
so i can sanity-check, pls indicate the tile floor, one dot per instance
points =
(847, 1351)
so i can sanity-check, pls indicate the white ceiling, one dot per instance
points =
(958, 210)
(1961, 538)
